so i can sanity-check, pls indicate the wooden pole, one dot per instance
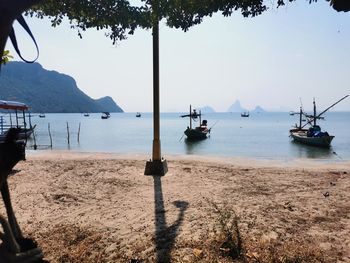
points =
(156, 166)
(156, 116)
(48, 127)
(24, 119)
(35, 145)
(68, 134)
(10, 120)
(2, 124)
(16, 118)
(79, 133)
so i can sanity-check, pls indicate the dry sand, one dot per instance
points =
(101, 208)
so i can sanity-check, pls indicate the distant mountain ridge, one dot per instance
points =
(48, 91)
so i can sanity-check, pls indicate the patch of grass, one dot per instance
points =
(231, 244)
(71, 244)
(289, 251)
(229, 233)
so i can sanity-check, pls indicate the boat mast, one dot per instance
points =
(315, 113)
(190, 116)
(319, 115)
(200, 118)
(300, 117)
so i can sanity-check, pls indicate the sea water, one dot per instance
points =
(261, 135)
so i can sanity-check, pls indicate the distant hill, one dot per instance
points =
(236, 107)
(258, 109)
(206, 109)
(48, 91)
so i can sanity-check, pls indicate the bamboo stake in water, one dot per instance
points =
(68, 134)
(48, 126)
(79, 133)
(35, 146)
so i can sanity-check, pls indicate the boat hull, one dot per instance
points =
(22, 135)
(301, 137)
(196, 134)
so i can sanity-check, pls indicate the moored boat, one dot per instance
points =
(138, 114)
(313, 136)
(16, 118)
(105, 115)
(197, 133)
(245, 114)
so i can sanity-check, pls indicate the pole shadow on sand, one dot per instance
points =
(165, 235)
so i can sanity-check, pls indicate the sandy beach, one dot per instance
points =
(89, 207)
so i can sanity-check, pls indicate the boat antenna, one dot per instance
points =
(316, 117)
(213, 125)
(301, 104)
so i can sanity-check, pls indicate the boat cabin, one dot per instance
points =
(13, 115)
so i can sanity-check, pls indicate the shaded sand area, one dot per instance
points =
(101, 208)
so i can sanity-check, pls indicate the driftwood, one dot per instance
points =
(14, 247)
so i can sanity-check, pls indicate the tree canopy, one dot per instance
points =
(119, 18)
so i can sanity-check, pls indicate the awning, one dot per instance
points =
(13, 105)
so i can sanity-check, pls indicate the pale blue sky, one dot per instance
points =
(300, 50)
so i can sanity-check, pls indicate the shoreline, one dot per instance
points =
(238, 161)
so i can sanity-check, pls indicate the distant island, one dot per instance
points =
(48, 91)
(236, 107)
(258, 109)
(206, 109)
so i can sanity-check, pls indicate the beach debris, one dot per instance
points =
(288, 206)
(332, 184)
(253, 255)
(198, 252)
(326, 194)
(135, 260)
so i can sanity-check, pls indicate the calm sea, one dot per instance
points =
(263, 135)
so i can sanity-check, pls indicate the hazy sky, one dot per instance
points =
(297, 51)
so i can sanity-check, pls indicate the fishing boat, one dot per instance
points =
(42, 115)
(105, 115)
(138, 115)
(313, 136)
(245, 114)
(14, 116)
(197, 133)
(86, 114)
